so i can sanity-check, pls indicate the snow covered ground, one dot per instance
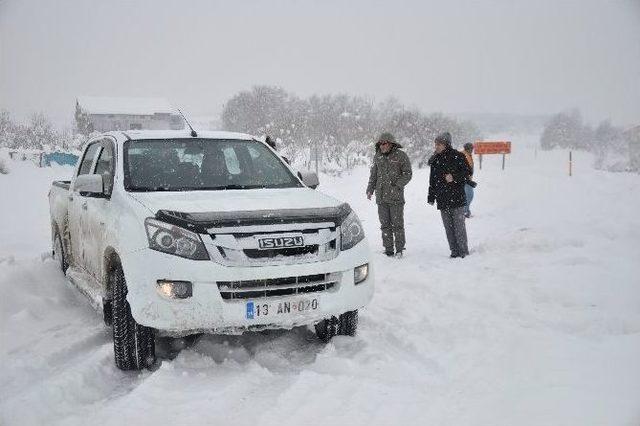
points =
(539, 326)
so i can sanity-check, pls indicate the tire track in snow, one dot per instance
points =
(63, 354)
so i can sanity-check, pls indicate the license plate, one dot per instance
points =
(270, 243)
(257, 310)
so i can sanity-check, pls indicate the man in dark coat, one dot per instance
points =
(449, 173)
(390, 173)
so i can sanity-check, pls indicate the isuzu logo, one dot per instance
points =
(270, 243)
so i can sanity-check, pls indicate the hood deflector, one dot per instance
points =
(200, 222)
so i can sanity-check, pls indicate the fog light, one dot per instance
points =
(360, 273)
(174, 289)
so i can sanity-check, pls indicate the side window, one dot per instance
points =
(104, 166)
(266, 163)
(87, 160)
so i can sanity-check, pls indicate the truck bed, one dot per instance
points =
(64, 184)
(58, 208)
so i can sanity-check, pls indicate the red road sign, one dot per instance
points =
(492, 147)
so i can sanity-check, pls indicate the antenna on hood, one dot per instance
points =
(193, 132)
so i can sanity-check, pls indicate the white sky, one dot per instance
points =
(524, 57)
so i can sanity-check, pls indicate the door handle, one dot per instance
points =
(70, 197)
(84, 205)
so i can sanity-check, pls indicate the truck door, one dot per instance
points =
(77, 205)
(96, 214)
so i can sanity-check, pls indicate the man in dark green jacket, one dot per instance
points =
(390, 173)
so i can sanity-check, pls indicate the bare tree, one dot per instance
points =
(342, 128)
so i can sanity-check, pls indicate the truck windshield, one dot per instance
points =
(202, 165)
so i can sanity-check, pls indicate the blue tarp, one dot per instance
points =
(62, 158)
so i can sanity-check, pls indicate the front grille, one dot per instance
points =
(253, 289)
(292, 251)
(240, 245)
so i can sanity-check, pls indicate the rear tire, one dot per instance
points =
(58, 253)
(133, 344)
(344, 325)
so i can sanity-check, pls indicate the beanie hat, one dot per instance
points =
(444, 138)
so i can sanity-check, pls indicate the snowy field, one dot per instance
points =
(539, 326)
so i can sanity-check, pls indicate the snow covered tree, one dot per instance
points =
(83, 122)
(566, 130)
(342, 128)
(6, 129)
(41, 134)
(606, 135)
(609, 145)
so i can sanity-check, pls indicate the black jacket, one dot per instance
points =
(448, 195)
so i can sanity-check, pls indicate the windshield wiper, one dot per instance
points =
(196, 188)
(151, 189)
(223, 187)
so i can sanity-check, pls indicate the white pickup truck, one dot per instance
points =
(171, 234)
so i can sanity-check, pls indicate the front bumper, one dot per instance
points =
(207, 311)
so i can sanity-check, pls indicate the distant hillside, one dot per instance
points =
(499, 123)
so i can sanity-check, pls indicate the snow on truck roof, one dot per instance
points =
(127, 106)
(177, 134)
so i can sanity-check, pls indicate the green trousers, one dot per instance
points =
(392, 226)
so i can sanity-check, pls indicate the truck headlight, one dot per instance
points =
(361, 273)
(174, 240)
(174, 289)
(351, 232)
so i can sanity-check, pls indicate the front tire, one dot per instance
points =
(133, 344)
(348, 323)
(344, 325)
(326, 329)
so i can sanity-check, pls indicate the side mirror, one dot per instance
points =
(309, 178)
(89, 185)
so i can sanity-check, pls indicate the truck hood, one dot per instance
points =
(235, 200)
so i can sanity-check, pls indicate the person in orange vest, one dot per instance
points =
(469, 184)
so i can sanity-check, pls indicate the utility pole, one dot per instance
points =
(570, 164)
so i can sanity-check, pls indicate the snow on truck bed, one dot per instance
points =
(540, 325)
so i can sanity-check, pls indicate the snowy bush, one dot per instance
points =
(612, 161)
(38, 134)
(606, 142)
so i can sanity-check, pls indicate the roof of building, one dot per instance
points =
(633, 134)
(128, 106)
(632, 129)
